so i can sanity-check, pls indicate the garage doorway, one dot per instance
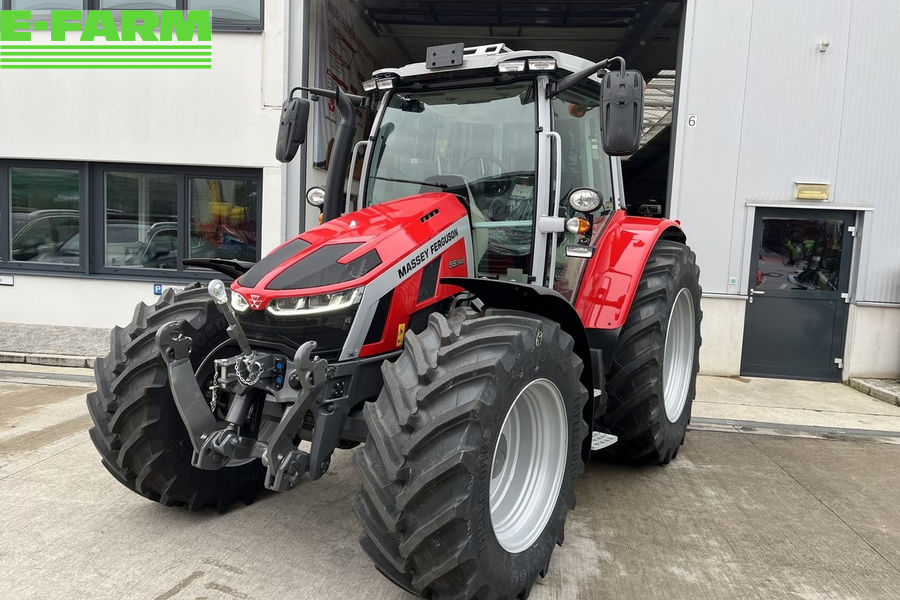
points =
(647, 34)
(796, 316)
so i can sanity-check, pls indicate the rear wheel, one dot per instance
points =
(137, 428)
(652, 382)
(474, 445)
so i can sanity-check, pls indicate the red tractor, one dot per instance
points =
(485, 318)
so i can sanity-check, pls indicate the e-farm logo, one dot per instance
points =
(99, 39)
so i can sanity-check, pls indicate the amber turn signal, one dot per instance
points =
(577, 225)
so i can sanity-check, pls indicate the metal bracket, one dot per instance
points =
(852, 230)
(839, 362)
(286, 463)
(551, 224)
(198, 419)
(845, 296)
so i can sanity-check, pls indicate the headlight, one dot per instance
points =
(310, 305)
(315, 196)
(585, 200)
(238, 302)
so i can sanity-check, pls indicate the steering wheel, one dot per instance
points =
(483, 161)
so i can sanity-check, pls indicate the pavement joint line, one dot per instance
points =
(46, 458)
(47, 360)
(23, 381)
(53, 376)
(822, 502)
(798, 408)
(820, 429)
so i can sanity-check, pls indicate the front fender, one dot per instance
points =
(611, 278)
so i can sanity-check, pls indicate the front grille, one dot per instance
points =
(329, 330)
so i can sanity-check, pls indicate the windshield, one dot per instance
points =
(478, 143)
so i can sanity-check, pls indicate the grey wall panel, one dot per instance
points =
(791, 118)
(792, 107)
(868, 169)
(705, 164)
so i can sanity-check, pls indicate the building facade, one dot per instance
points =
(110, 178)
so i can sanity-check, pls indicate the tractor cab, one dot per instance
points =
(515, 136)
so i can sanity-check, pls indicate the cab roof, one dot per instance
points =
(488, 57)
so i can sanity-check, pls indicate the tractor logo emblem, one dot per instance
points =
(255, 301)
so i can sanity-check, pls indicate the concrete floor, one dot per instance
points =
(735, 516)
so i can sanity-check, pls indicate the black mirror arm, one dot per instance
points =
(360, 101)
(575, 78)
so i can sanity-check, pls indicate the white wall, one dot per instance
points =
(226, 116)
(722, 331)
(873, 343)
(81, 302)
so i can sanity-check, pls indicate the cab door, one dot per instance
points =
(582, 164)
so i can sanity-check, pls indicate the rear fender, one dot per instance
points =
(548, 304)
(611, 278)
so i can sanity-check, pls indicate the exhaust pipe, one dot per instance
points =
(340, 157)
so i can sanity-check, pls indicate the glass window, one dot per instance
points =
(47, 4)
(140, 220)
(800, 254)
(478, 143)
(223, 217)
(137, 4)
(584, 165)
(230, 12)
(44, 206)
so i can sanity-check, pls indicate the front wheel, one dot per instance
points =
(474, 445)
(137, 428)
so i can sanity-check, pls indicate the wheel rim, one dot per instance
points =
(678, 357)
(528, 465)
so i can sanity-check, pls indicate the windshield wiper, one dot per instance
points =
(436, 184)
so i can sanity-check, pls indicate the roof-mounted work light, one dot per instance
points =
(511, 66)
(541, 64)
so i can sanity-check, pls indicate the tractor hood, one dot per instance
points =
(354, 249)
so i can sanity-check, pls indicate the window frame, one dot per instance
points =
(254, 28)
(181, 5)
(92, 211)
(182, 173)
(6, 262)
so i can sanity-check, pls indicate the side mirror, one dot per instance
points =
(292, 130)
(621, 112)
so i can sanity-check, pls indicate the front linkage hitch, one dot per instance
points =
(219, 443)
